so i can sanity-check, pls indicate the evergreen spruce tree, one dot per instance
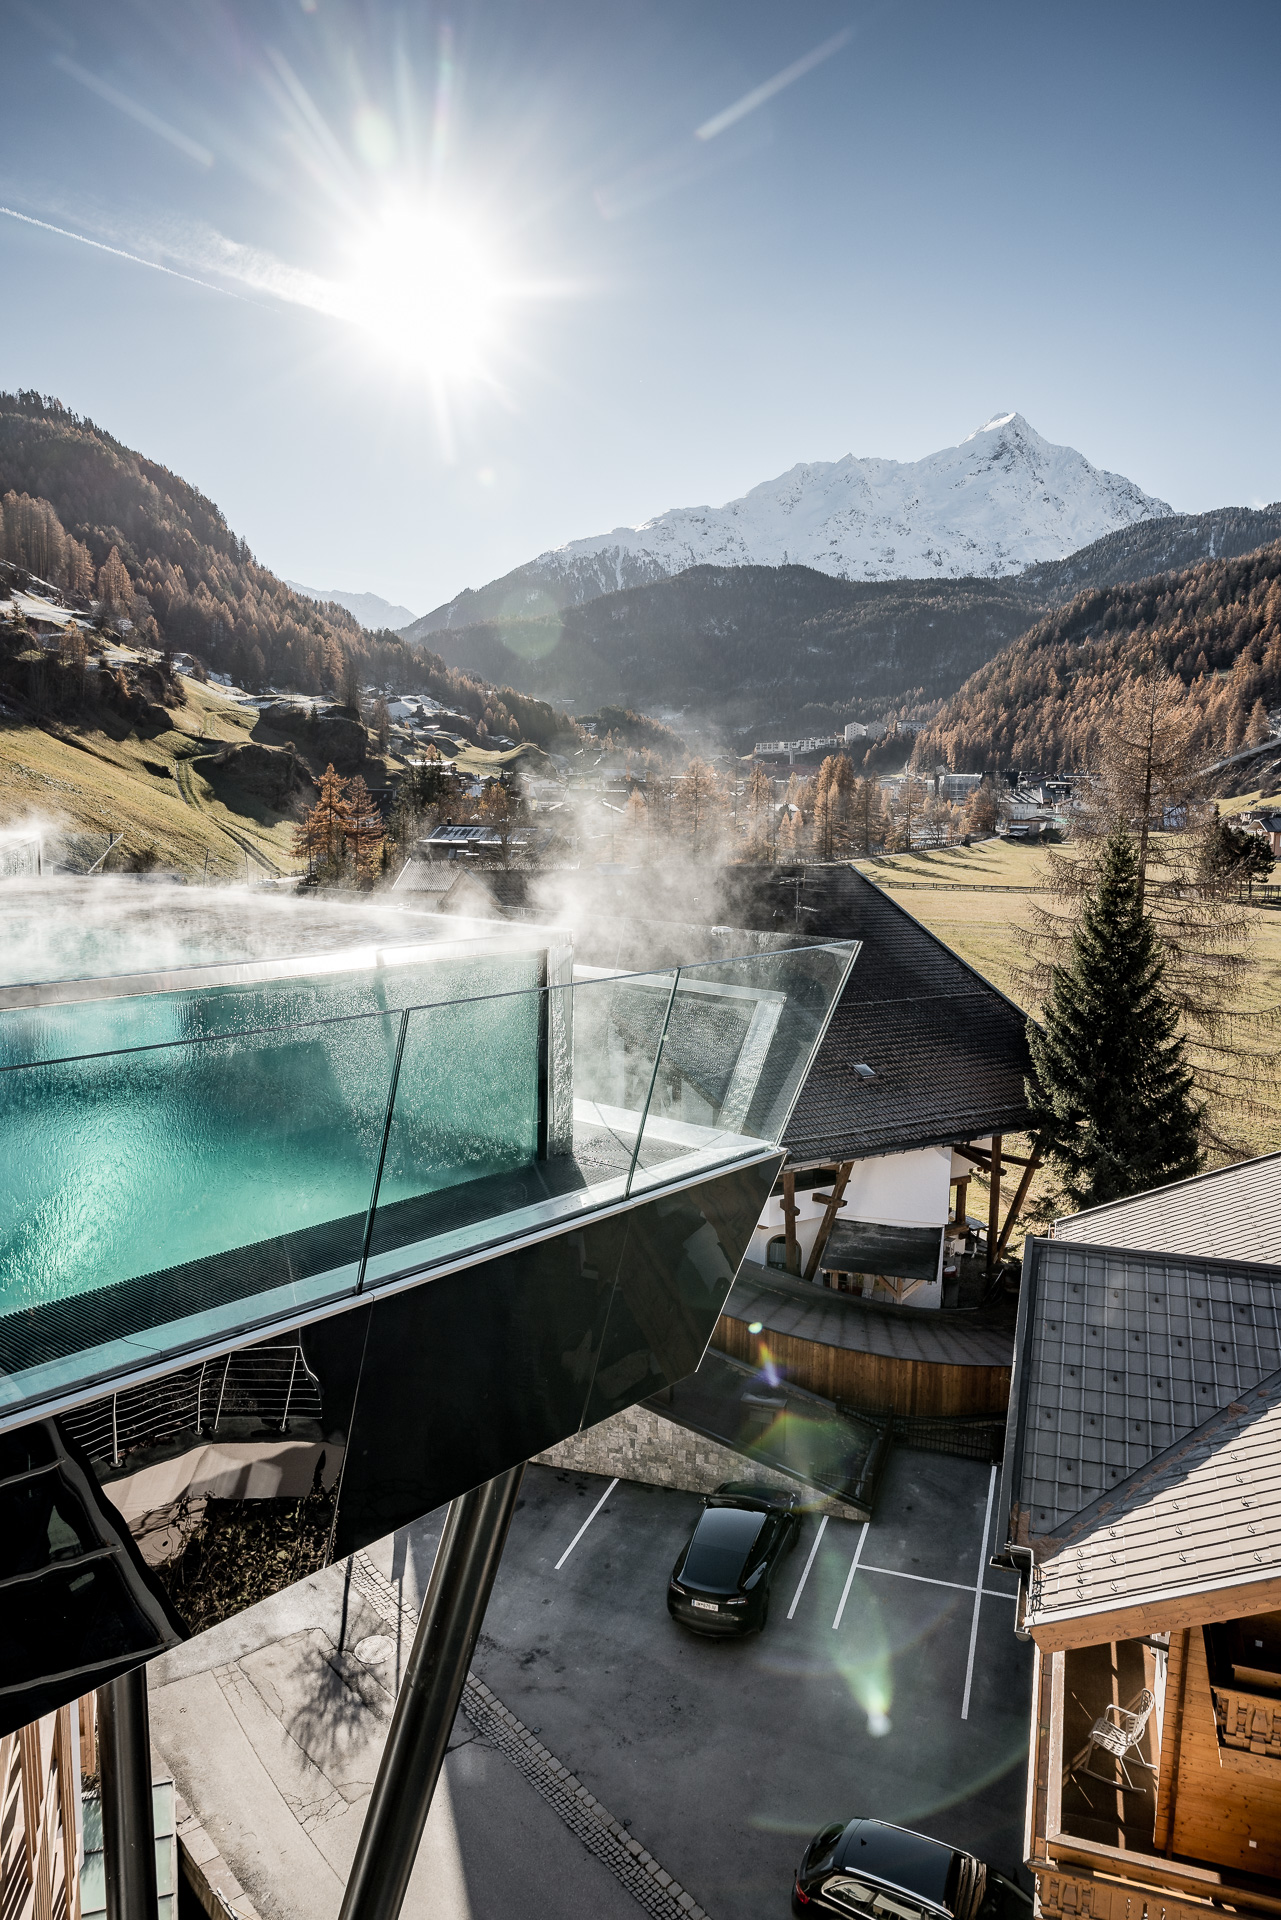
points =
(1111, 1092)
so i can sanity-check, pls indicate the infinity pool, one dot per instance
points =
(263, 1107)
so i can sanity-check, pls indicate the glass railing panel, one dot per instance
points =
(272, 1147)
(463, 1129)
(512, 1114)
(737, 1044)
(618, 1031)
(157, 1197)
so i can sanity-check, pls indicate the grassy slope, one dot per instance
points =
(152, 789)
(985, 926)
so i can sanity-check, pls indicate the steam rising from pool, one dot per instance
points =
(69, 928)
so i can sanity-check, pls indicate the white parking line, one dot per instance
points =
(849, 1578)
(587, 1523)
(978, 1593)
(800, 1587)
(961, 1586)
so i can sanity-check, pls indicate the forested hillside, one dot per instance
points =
(753, 644)
(796, 650)
(1038, 704)
(1154, 546)
(111, 527)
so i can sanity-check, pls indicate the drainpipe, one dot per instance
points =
(128, 1832)
(448, 1627)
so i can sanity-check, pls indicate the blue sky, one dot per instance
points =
(473, 284)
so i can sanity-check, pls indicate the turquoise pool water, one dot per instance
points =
(210, 1120)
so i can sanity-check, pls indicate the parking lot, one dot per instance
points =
(887, 1682)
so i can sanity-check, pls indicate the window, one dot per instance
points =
(776, 1253)
(873, 1902)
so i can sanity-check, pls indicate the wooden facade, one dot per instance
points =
(40, 1844)
(1202, 1826)
(1219, 1796)
(875, 1382)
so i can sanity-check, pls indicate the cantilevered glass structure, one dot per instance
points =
(482, 1195)
(196, 1153)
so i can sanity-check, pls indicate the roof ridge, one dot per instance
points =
(981, 978)
(1171, 1186)
(1235, 1412)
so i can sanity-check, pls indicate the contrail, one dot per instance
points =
(119, 252)
(768, 88)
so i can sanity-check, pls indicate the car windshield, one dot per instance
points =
(722, 1541)
(878, 1903)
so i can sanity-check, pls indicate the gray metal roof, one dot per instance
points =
(1233, 1213)
(982, 1338)
(1205, 1514)
(1119, 1355)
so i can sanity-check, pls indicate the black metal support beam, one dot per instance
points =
(128, 1831)
(457, 1595)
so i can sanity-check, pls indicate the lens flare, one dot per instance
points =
(424, 288)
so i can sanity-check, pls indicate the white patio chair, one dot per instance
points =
(1118, 1731)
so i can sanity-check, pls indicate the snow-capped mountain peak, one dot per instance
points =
(997, 502)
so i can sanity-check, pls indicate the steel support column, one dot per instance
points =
(128, 1831)
(457, 1595)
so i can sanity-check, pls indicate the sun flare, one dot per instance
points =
(427, 291)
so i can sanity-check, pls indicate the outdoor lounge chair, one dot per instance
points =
(1118, 1731)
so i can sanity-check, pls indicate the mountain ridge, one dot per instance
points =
(370, 609)
(761, 645)
(1001, 499)
(1039, 703)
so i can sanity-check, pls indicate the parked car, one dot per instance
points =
(721, 1581)
(881, 1872)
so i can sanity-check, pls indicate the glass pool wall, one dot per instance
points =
(179, 1170)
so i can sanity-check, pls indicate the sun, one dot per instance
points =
(426, 290)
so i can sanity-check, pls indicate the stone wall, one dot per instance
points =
(639, 1444)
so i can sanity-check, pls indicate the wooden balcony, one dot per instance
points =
(1192, 1834)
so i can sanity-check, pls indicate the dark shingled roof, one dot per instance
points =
(1120, 1354)
(947, 1049)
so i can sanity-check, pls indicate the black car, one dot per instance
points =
(879, 1872)
(721, 1581)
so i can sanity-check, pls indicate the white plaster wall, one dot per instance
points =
(893, 1190)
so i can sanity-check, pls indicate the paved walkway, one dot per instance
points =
(273, 1725)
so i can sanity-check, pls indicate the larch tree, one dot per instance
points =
(868, 823)
(758, 802)
(698, 804)
(365, 831)
(1111, 1091)
(114, 589)
(323, 834)
(502, 812)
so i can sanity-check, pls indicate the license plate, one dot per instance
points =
(708, 1606)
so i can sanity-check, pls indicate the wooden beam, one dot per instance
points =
(1020, 1195)
(830, 1211)
(962, 1185)
(1128, 1621)
(994, 1203)
(791, 1253)
(983, 1160)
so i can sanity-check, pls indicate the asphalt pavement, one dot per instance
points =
(888, 1682)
